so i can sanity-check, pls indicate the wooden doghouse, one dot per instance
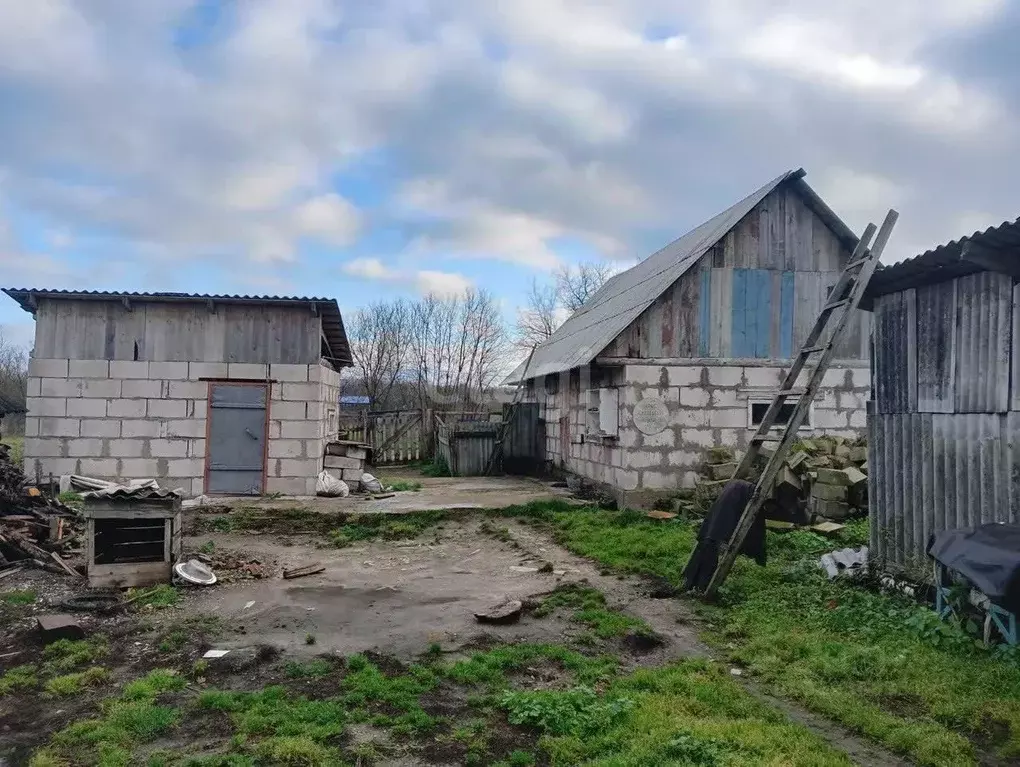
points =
(133, 537)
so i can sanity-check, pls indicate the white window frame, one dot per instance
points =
(602, 412)
(766, 400)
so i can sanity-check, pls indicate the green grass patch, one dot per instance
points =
(18, 597)
(878, 663)
(73, 684)
(68, 654)
(370, 527)
(310, 670)
(402, 485)
(71, 498)
(160, 596)
(490, 669)
(438, 468)
(590, 609)
(19, 678)
(17, 449)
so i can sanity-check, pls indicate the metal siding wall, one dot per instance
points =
(936, 347)
(760, 285)
(786, 315)
(895, 353)
(983, 342)
(740, 344)
(935, 471)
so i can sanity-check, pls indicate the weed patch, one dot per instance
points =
(157, 597)
(19, 678)
(68, 654)
(590, 609)
(403, 485)
(18, 597)
(370, 527)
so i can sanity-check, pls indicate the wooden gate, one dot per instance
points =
(396, 436)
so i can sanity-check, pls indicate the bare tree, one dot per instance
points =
(13, 380)
(537, 320)
(380, 345)
(575, 285)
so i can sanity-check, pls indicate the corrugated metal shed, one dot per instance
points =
(626, 295)
(941, 263)
(327, 308)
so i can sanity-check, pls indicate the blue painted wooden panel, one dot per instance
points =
(751, 313)
(786, 315)
(705, 318)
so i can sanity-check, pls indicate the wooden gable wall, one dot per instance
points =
(756, 294)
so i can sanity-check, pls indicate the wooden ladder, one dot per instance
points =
(840, 305)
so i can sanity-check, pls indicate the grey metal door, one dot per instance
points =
(236, 456)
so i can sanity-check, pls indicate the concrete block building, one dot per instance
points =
(212, 394)
(686, 350)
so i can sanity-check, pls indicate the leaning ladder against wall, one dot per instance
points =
(842, 302)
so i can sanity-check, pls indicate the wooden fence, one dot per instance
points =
(467, 445)
(396, 436)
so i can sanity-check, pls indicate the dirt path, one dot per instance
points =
(675, 621)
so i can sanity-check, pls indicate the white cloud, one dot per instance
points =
(425, 282)
(329, 217)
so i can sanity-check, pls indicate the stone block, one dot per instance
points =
(694, 396)
(138, 427)
(642, 459)
(848, 400)
(247, 370)
(763, 377)
(293, 373)
(47, 368)
(126, 408)
(169, 371)
(139, 468)
(98, 467)
(684, 458)
(85, 447)
(186, 467)
(141, 388)
(861, 377)
(828, 492)
(275, 427)
(59, 626)
(196, 448)
(188, 427)
(646, 375)
(340, 462)
(626, 479)
(855, 476)
(719, 375)
(316, 373)
(31, 426)
(60, 387)
(828, 476)
(300, 392)
(33, 387)
(299, 467)
(166, 408)
(188, 390)
(49, 447)
(728, 418)
(301, 430)
(689, 417)
(697, 437)
(46, 406)
(836, 510)
(87, 408)
(658, 480)
(665, 438)
(683, 375)
(198, 370)
(351, 475)
(287, 485)
(88, 369)
(56, 466)
(287, 448)
(829, 419)
(858, 419)
(314, 411)
(198, 408)
(721, 470)
(838, 378)
(725, 398)
(99, 427)
(126, 448)
(128, 369)
(289, 411)
(105, 388)
(197, 486)
(168, 448)
(59, 427)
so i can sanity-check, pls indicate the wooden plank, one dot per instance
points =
(777, 229)
(1014, 403)
(652, 321)
(760, 285)
(668, 335)
(741, 344)
(807, 303)
(729, 248)
(765, 260)
(705, 313)
(786, 313)
(129, 575)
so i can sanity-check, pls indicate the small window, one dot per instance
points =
(603, 413)
(758, 408)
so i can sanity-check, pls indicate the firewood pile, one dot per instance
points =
(822, 478)
(34, 529)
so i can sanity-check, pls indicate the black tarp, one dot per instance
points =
(717, 528)
(987, 555)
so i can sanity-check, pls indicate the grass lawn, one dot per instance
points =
(17, 445)
(881, 665)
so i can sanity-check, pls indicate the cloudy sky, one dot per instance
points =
(361, 150)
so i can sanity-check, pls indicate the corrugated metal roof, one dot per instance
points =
(328, 308)
(941, 263)
(9, 405)
(122, 492)
(622, 299)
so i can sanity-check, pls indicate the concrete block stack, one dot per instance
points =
(822, 478)
(346, 460)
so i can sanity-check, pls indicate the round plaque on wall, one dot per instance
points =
(651, 415)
